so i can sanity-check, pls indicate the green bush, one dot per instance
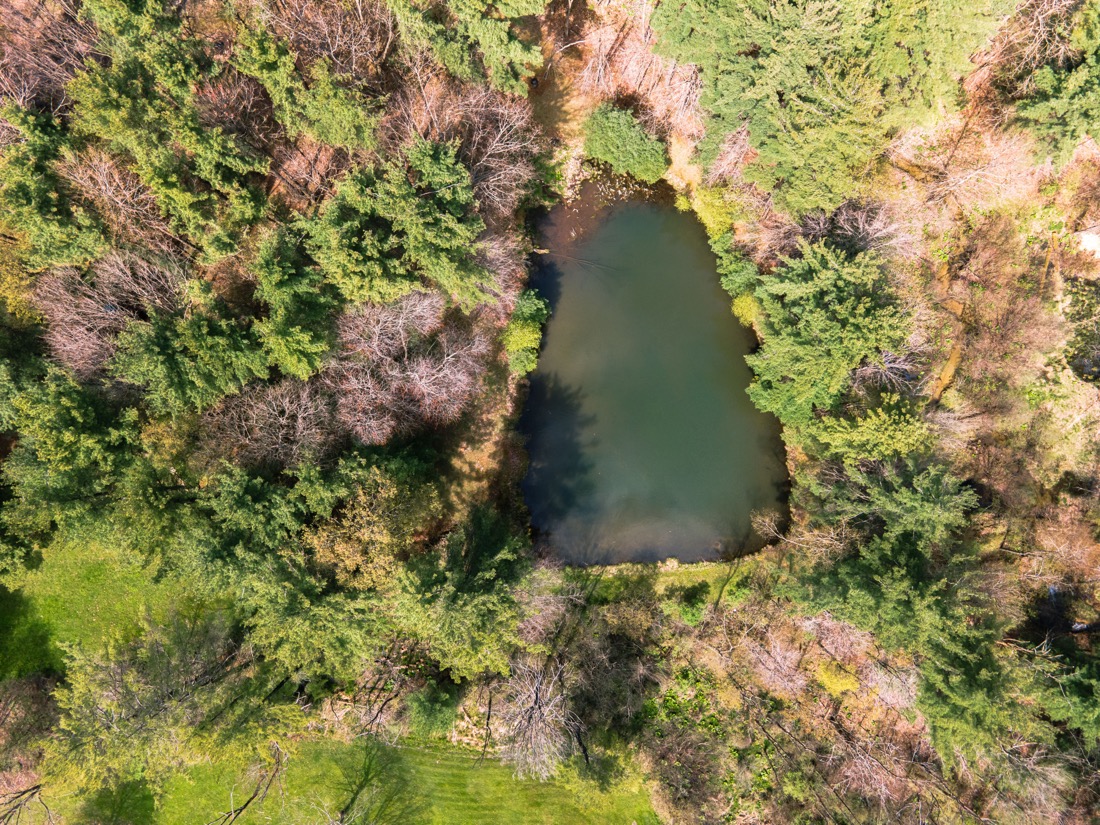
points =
(524, 332)
(432, 711)
(613, 136)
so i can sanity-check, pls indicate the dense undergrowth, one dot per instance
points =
(262, 283)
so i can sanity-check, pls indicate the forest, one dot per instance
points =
(265, 337)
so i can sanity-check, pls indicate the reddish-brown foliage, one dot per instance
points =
(43, 43)
(405, 365)
(85, 315)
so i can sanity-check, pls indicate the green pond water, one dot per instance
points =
(643, 443)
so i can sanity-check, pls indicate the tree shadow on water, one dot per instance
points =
(559, 477)
(546, 280)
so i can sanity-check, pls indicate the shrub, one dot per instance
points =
(717, 209)
(836, 680)
(746, 309)
(613, 136)
(524, 332)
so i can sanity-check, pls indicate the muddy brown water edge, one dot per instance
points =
(642, 442)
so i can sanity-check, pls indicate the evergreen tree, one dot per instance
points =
(388, 232)
(462, 605)
(455, 29)
(57, 231)
(320, 108)
(822, 85)
(140, 104)
(824, 315)
(297, 331)
(72, 449)
(187, 364)
(1065, 106)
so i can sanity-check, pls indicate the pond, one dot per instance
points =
(643, 443)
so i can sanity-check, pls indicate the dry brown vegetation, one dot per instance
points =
(276, 425)
(621, 64)
(43, 44)
(1035, 36)
(86, 315)
(405, 365)
(124, 204)
(356, 38)
(495, 133)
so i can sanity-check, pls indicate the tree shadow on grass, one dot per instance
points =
(131, 803)
(25, 645)
(377, 787)
(603, 768)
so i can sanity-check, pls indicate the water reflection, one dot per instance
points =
(559, 482)
(643, 443)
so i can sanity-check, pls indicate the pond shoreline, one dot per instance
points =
(716, 406)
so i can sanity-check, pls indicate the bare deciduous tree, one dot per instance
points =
(43, 44)
(85, 315)
(775, 661)
(497, 138)
(893, 687)
(376, 331)
(238, 105)
(266, 775)
(354, 36)
(279, 425)
(894, 372)
(861, 226)
(502, 253)
(405, 365)
(19, 801)
(121, 200)
(877, 775)
(497, 142)
(538, 724)
(623, 63)
(1038, 34)
(545, 602)
(839, 639)
(306, 171)
(870, 226)
(447, 374)
(736, 151)
(965, 166)
(817, 545)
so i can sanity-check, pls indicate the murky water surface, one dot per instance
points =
(642, 440)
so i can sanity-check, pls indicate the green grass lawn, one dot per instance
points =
(685, 590)
(86, 587)
(433, 786)
(25, 646)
